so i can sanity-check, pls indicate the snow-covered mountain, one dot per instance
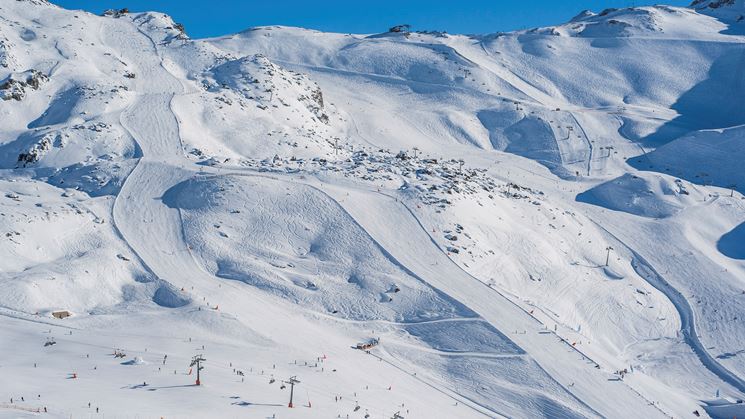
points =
(542, 223)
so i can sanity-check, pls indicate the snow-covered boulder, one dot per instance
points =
(14, 86)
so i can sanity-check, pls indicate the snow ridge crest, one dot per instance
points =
(716, 4)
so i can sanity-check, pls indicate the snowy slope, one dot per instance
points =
(704, 157)
(544, 223)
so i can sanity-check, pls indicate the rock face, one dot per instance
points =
(14, 86)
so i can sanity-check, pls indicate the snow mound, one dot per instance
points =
(529, 136)
(258, 79)
(303, 248)
(167, 296)
(732, 244)
(276, 110)
(649, 196)
(724, 409)
(610, 273)
(135, 361)
(616, 23)
(160, 26)
(712, 157)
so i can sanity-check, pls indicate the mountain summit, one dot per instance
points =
(716, 4)
(728, 9)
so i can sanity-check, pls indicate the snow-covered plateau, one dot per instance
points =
(541, 223)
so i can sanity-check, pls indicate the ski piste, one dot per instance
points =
(539, 223)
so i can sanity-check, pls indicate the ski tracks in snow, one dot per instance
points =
(157, 87)
(551, 354)
(161, 146)
(687, 317)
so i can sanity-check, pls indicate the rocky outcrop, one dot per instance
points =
(36, 151)
(712, 4)
(15, 85)
(116, 13)
(258, 79)
(6, 59)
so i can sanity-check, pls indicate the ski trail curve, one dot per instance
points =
(560, 363)
(116, 39)
(687, 317)
(149, 228)
(447, 293)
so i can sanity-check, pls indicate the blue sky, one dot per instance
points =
(219, 17)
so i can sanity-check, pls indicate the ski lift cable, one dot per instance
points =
(321, 393)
